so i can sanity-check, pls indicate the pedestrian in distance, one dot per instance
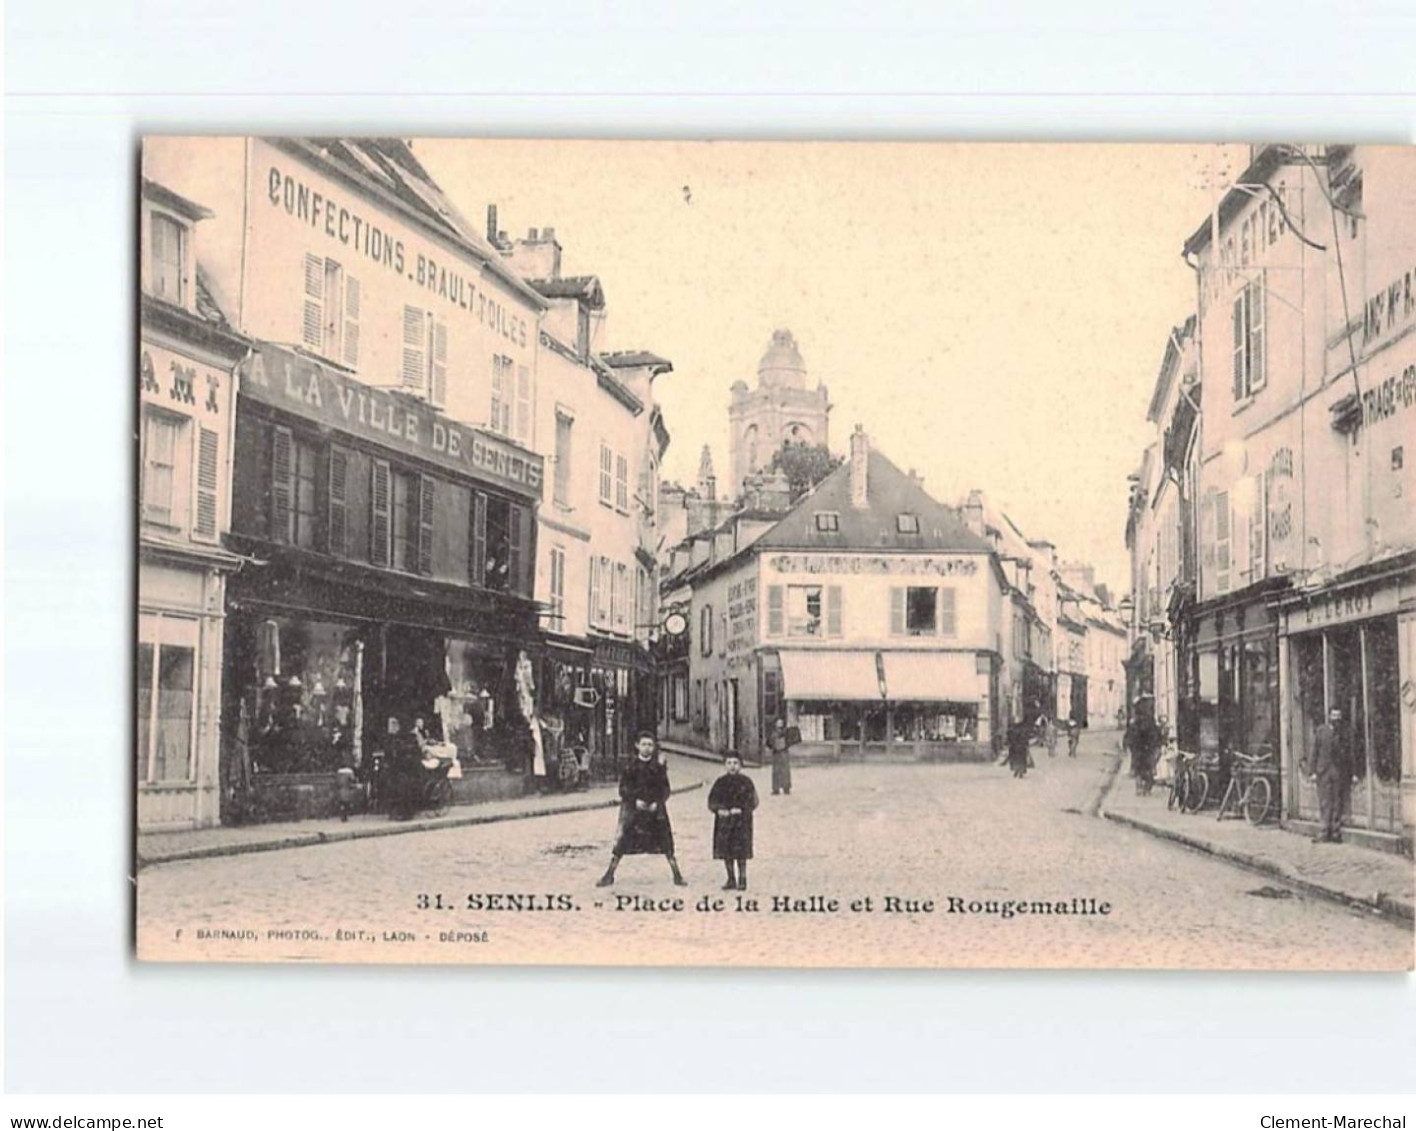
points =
(1049, 737)
(1143, 739)
(1330, 769)
(1074, 736)
(781, 759)
(644, 828)
(1018, 755)
(732, 800)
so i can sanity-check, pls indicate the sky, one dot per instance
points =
(993, 315)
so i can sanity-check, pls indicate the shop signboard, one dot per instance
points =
(301, 385)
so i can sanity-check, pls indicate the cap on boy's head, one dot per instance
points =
(645, 734)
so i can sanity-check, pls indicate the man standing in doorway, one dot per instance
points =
(1330, 768)
(781, 759)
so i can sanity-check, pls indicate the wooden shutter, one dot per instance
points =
(833, 610)
(897, 611)
(205, 524)
(413, 374)
(523, 404)
(337, 524)
(948, 625)
(516, 556)
(476, 566)
(351, 322)
(282, 484)
(593, 613)
(621, 483)
(312, 326)
(437, 392)
(380, 517)
(776, 616)
(1239, 322)
(1255, 294)
(427, 490)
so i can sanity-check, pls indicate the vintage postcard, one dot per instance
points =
(775, 554)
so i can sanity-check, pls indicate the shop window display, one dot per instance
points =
(307, 676)
(165, 683)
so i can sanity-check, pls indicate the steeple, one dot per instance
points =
(707, 481)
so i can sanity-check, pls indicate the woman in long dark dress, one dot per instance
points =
(781, 759)
(732, 800)
(644, 828)
(1018, 749)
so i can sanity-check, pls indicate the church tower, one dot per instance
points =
(783, 409)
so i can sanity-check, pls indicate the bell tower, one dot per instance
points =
(783, 409)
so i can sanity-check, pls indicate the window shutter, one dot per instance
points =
(312, 327)
(593, 611)
(380, 521)
(606, 474)
(1256, 336)
(523, 404)
(414, 372)
(351, 323)
(426, 494)
(1239, 347)
(775, 611)
(282, 484)
(621, 483)
(438, 392)
(205, 525)
(603, 607)
(833, 610)
(897, 611)
(338, 524)
(947, 622)
(516, 557)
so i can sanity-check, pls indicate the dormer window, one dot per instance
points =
(168, 249)
(828, 522)
(907, 523)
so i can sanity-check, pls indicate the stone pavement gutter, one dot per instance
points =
(206, 843)
(1354, 877)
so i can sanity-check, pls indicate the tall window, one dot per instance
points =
(330, 324)
(503, 395)
(1248, 321)
(564, 426)
(922, 611)
(607, 475)
(622, 483)
(804, 610)
(424, 367)
(294, 463)
(405, 521)
(557, 603)
(168, 239)
(161, 439)
(302, 514)
(166, 679)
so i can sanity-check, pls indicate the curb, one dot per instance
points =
(701, 755)
(311, 840)
(1380, 904)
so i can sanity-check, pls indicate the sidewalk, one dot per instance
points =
(700, 753)
(1378, 881)
(198, 844)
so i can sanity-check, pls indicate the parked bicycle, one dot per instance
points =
(1250, 791)
(1182, 782)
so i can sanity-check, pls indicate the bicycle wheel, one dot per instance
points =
(1231, 794)
(1180, 791)
(1257, 799)
(1199, 791)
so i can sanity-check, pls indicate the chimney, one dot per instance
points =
(860, 469)
(531, 235)
(973, 512)
(492, 224)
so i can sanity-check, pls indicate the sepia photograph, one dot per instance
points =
(774, 554)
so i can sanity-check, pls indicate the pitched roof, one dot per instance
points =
(634, 359)
(891, 493)
(583, 287)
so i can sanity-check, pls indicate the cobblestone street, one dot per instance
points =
(918, 835)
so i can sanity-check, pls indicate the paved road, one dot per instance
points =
(920, 836)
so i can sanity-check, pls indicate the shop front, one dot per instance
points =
(595, 698)
(1349, 647)
(385, 591)
(1236, 678)
(888, 705)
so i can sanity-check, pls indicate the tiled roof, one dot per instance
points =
(633, 359)
(207, 308)
(891, 493)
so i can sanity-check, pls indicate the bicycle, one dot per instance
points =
(1182, 782)
(1249, 792)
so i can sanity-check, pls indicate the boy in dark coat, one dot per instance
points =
(644, 828)
(732, 800)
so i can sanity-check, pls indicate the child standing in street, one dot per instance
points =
(732, 800)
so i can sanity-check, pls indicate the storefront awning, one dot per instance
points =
(830, 675)
(933, 677)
